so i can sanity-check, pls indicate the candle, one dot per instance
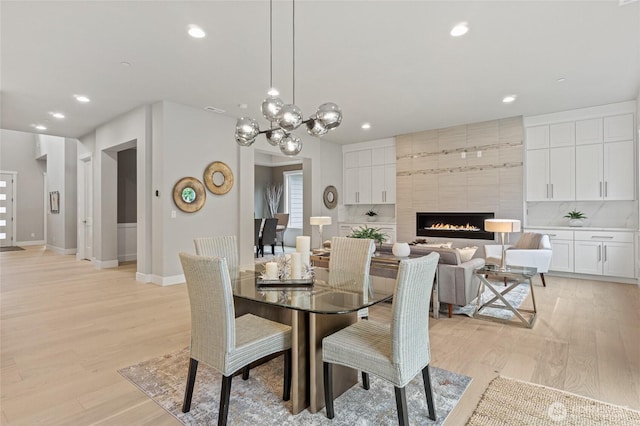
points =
(303, 246)
(296, 266)
(272, 270)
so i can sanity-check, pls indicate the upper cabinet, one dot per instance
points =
(585, 159)
(370, 175)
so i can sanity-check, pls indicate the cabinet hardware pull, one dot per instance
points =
(606, 189)
(552, 191)
(599, 253)
(601, 188)
(605, 253)
(609, 237)
(547, 190)
(553, 235)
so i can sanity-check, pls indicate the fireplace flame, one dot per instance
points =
(448, 226)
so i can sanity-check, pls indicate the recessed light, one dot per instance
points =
(273, 92)
(243, 106)
(561, 80)
(125, 64)
(459, 29)
(509, 98)
(57, 115)
(39, 127)
(196, 32)
(366, 126)
(82, 98)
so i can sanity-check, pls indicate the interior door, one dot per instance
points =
(6, 210)
(86, 214)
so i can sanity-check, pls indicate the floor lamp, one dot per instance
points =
(502, 226)
(320, 221)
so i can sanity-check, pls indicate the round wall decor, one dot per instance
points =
(330, 197)
(218, 178)
(189, 194)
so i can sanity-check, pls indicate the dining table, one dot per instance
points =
(313, 311)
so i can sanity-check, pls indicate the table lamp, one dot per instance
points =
(320, 221)
(503, 226)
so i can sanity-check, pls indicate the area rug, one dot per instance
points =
(515, 297)
(512, 402)
(11, 248)
(257, 401)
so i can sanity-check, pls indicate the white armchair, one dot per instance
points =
(532, 250)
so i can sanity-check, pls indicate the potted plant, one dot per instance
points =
(371, 215)
(575, 217)
(372, 233)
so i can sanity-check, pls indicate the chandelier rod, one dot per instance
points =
(293, 26)
(270, 44)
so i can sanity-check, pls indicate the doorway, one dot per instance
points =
(85, 210)
(7, 208)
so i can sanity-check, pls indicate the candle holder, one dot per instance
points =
(285, 278)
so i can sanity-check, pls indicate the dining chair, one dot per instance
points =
(350, 262)
(395, 352)
(220, 340)
(220, 246)
(257, 229)
(269, 234)
(283, 222)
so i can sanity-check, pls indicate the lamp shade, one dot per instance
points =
(502, 225)
(320, 220)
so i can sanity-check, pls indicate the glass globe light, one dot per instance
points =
(271, 107)
(244, 142)
(330, 115)
(276, 136)
(247, 128)
(315, 127)
(290, 117)
(291, 145)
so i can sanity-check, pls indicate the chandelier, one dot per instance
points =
(285, 118)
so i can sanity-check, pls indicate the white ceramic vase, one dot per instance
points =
(401, 249)
(371, 218)
(575, 222)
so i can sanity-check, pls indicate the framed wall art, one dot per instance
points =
(218, 178)
(189, 194)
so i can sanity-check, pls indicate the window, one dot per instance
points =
(293, 201)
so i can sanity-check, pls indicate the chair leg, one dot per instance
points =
(223, 412)
(328, 388)
(365, 380)
(426, 378)
(450, 310)
(191, 380)
(544, 284)
(245, 373)
(286, 394)
(401, 403)
(273, 249)
(282, 242)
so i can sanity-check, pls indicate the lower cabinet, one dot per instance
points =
(606, 253)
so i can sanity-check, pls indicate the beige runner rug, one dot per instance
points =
(512, 402)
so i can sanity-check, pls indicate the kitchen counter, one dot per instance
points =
(581, 228)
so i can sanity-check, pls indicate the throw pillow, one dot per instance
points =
(466, 253)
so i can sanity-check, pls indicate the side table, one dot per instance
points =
(513, 276)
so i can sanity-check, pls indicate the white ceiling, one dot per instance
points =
(390, 63)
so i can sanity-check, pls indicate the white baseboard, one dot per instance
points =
(30, 243)
(164, 281)
(594, 277)
(127, 257)
(104, 264)
(61, 250)
(143, 278)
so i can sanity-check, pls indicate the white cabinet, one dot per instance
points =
(604, 253)
(370, 176)
(589, 131)
(618, 128)
(562, 134)
(537, 137)
(605, 171)
(550, 174)
(562, 250)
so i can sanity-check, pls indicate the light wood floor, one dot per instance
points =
(66, 328)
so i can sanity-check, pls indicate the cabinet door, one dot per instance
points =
(537, 137)
(562, 255)
(588, 257)
(589, 131)
(562, 134)
(377, 184)
(618, 128)
(562, 173)
(390, 184)
(537, 174)
(589, 174)
(351, 160)
(618, 259)
(351, 182)
(618, 171)
(364, 185)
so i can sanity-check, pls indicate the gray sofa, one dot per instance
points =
(456, 282)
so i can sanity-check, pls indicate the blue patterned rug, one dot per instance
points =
(515, 297)
(257, 401)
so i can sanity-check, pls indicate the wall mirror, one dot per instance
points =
(189, 194)
(218, 178)
(330, 197)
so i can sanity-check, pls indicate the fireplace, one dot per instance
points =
(453, 225)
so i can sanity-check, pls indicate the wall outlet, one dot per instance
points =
(479, 154)
(173, 214)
